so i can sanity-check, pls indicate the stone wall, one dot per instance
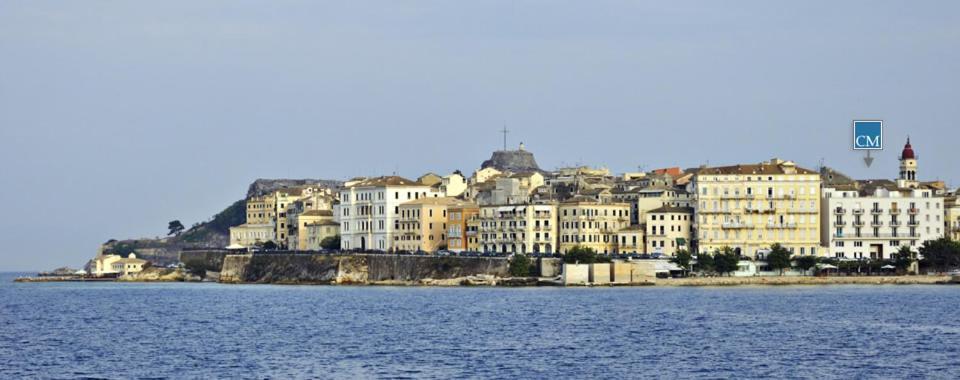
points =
(201, 261)
(353, 269)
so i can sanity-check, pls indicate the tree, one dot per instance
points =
(682, 258)
(580, 254)
(903, 259)
(330, 242)
(804, 263)
(941, 254)
(520, 265)
(705, 262)
(175, 227)
(778, 258)
(726, 261)
(269, 244)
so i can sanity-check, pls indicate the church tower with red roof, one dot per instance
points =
(908, 168)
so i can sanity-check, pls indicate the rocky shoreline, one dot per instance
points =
(179, 275)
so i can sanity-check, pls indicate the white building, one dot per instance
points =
(874, 218)
(369, 211)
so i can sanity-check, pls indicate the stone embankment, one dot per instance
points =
(806, 280)
(361, 269)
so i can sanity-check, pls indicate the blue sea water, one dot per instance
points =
(122, 330)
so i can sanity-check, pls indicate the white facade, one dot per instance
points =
(877, 224)
(369, 211)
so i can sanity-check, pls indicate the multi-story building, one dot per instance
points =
(518, 228)
(874, 218)
(630, 240)
(260, 209)
(316, 232)
(951, 216)
(297, 224)
(252, 235)
(589, 223)
(668, 229)
(751, 207)
(461, 234)
(370, 208)
(422, 224)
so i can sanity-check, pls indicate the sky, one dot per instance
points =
(117, 117)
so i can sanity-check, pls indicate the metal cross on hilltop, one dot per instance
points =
(504, 131)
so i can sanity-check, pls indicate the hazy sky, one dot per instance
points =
(116, 117)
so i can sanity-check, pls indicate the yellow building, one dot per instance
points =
(751, 207)
(630, 240)
(129, 265)
(951, 217)
(592, 224)
(460, 237)
(422, 224)
(102, 265)
(297, 227)
(518, 228)
(316, 232)
(260, 209)
(275, 209)
(252, 235)
(668, 229)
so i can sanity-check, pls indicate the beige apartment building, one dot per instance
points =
(461, 235)
(592, 224)
(252, 235)
(422, 224)
(630, 240)
(750, 207)
(951, 216)
(297, 236)
(668, 230)
(518, 228)
(316, 232)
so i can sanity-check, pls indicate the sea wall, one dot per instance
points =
(353, 269)
(201, 261)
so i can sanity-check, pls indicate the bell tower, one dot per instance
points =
(908, 168)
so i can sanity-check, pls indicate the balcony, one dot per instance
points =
(913, 211)
(858, 223)
(781, 225)
(736, 225)
(894, 211)
(877, 237)
(839, 211)
(913, 223)
(839, 223)
(876, 224)
(876, 211)
(895, 223)
(858, 211)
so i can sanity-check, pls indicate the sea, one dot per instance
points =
(71, 330)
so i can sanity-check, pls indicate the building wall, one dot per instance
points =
(316, 232)
(249, 235)
(592, 224)
(630, 240)
(952, 218)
